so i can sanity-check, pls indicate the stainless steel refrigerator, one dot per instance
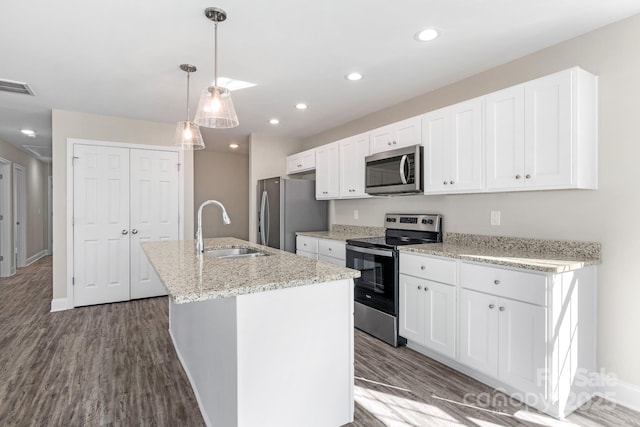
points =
(286, 206)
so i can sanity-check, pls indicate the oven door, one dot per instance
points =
(377, 287)
(394, 172)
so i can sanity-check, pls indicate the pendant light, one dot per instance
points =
(188, 136)
(215, 109)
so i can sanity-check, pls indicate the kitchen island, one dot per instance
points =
(264, 340)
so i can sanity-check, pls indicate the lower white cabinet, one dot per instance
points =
(504, 338)
(527, 333)
(333, 251)
(427, 313)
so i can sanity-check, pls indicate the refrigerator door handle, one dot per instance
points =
(263, 205)
(267, 220)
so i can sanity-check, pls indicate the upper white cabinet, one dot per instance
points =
(301, 162)
(452, 139)
(396, 135)
(352, 165)
(543, 134)
(328, 171)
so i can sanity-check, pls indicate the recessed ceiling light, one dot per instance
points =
(233, 146)
(427, 35)
(274, 121)
(29, 133)
(354, 77)
(301, 106)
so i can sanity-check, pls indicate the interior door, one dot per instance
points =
(154, 207)
(101, 224)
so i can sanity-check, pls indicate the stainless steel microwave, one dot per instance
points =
(397, 171)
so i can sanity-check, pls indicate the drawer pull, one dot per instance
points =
(496, 282)
(419, 288)
(422, 267)
(491, 306)
(501, 308)
(426, 289)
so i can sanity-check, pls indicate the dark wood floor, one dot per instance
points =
(114, 365)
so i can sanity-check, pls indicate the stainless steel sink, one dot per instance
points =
(234, 252)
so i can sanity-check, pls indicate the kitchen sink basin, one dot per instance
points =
(234, 252)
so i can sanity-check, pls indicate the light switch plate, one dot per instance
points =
(495, 217)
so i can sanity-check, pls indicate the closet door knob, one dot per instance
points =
(134, 231)
(125, 232)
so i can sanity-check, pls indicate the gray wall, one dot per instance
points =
(224, 177)
(608, 215)
(37, 173)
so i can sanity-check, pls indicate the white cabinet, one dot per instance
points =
(452, 139)
(353, 151)
(428, 307)
(396, 135)
(301, 162)
(307, 246)
(328, 171)
(333, 251)
(543, 134)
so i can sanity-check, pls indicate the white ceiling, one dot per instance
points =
(121, 58)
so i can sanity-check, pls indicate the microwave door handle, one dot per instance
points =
(403, 163)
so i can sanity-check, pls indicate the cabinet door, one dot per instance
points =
(548, 138)
(435, 138)
(154, 214)
(505, 138)
(479, 331)
(440, 318)
(408, 132)
(294, 163)
(465, 147)
(382, 139)
(352, 165)
(522, 350)
(412, 297)
(327, 172)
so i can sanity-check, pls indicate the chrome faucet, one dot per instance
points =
(225, 218)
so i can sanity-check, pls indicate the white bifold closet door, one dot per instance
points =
(122, 197)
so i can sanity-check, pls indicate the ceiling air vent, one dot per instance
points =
(15, 87)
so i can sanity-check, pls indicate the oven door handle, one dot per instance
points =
(370, 251)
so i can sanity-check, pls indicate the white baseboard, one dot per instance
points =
(36, 257)
(622, 393)
(59, 304)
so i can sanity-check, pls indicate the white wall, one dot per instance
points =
(224, 177)
(68, 124)
(608, 215)
(266, 159)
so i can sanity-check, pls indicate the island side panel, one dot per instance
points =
(295, 356)
(204, 336)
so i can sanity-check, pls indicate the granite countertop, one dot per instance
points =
(344, 232)
(548, 256)
(189, 277)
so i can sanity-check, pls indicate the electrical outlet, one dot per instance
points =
(355, 214)
(495, 217)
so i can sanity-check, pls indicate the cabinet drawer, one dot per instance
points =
(438, 270)
(307, 244)
(307, 254)
(332, 248)
(527, 287)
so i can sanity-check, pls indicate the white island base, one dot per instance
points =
(276, 358)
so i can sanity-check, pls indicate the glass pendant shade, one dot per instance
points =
(188, 136)
(215, 109)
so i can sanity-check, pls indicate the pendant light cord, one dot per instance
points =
(215, 54)
(188, 78)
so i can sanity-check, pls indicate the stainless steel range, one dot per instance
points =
(376, 291)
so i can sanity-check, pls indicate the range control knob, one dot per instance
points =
(427, 221)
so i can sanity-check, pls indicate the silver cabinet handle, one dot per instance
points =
(134, 231)
(517, 176)
(527, 176)
(496, 282)
(451, 182)
(445, 183)
(501, 308)
(330, 249)
(389, 143)
(394, 143)
(491, 306)
(124, 232)
(422, 267)
(419, 288)
(426, 289)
